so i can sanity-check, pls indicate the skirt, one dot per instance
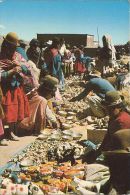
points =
(15, 105)
(79, 67)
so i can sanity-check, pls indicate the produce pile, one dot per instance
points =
(78, 112)
(54, 178)
(48, 177)
(42, 151)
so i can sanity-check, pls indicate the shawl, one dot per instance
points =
(110, 45)
(6, 65)
(37, 119)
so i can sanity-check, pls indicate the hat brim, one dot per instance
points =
(94, 75)
(116, 152)
(11, 42)
(120, 101)
(104, 103)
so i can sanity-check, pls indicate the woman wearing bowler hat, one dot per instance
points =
(119, 120)
(13, 75)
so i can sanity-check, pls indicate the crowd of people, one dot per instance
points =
(25, 94)
(32, 76)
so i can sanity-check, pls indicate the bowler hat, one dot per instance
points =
(49, 42)
(119, 152)
(51, 79)
(113, 98)
(49, 83)
(12, 38)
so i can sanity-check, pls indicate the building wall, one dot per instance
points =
(72, 39)
(90, 41)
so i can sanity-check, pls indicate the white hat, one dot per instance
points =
(49, 42)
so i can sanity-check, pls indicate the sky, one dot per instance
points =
(29, 17)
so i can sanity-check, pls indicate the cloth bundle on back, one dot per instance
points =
(107, 54)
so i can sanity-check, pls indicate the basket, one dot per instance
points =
(96, 136)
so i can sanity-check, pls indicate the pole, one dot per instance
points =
(98, 36)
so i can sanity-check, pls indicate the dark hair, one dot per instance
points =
(62, 40)
(55, 42)
(34, 42)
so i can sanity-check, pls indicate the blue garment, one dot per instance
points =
(13, 81)
(21, 51)
(119, 80)
(98, 85)
(90, 145)
(86, 60)
(57, 70)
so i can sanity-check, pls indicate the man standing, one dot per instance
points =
(33, 52)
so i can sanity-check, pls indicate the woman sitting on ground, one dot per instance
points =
(40, 108)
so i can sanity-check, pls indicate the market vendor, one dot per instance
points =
(47, 90)
(15, 74)
(119, 119)
(40, 109)
(100, 87)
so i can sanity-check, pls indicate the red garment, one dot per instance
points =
(122, 121)
(79, 67)
(15, 104)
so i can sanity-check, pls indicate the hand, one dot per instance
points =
(15, 63)
(17, 69)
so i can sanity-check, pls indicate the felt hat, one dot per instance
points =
(12, 38)
(121, 152)
(49, 42)
(49, 82)
(51, 79)
(113, 98)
